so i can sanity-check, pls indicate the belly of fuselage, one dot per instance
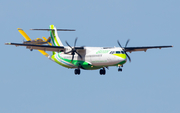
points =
(105, 60)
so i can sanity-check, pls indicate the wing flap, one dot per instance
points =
(132, 49)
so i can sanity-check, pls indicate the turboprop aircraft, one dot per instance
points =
(87, 58)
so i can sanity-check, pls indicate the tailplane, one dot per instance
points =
(54, 35)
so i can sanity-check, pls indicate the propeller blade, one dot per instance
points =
(75, 41)
(124, 49)
(119, 43)
(72, 57)
(68, 44)
(68, 52)
(73, 50)
(79, 55)
(128, 57)
(127, 42)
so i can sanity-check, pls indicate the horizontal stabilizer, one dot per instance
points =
(53, 29)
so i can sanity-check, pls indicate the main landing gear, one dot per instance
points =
(77, 71)
(102, 71)
(119, 69)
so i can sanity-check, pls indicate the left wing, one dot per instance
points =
(40, 47)
(43, 47)
(132, 49)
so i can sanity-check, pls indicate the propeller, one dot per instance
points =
(124, 49)
(73, 50)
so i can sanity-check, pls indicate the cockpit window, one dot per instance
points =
(122, 52)
(118, 52)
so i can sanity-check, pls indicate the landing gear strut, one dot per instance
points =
(102, 71)
(77, 71)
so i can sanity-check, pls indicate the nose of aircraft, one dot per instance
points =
(122, 57)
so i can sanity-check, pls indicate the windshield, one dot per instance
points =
(117, 52)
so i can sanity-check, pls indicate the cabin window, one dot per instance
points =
(112, 52)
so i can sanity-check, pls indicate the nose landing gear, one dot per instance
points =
(120, 69)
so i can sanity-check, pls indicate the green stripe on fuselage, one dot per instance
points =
(54, 58)
(84, 64)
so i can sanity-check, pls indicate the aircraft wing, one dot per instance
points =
(40, 47)
(132, 49)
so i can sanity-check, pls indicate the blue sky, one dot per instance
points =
(31, 83)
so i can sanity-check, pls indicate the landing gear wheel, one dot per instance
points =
(119, 69)
(77, 71)
(102, 71)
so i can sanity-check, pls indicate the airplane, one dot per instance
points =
(87, 58)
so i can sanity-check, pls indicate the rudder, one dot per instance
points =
(54, 36)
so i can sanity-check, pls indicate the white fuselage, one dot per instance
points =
(96, 56)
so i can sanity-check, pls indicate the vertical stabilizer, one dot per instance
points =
(54, 36)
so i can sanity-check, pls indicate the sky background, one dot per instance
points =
(31, 83)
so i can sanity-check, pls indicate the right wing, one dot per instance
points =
(132, 49)
(40, 47)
